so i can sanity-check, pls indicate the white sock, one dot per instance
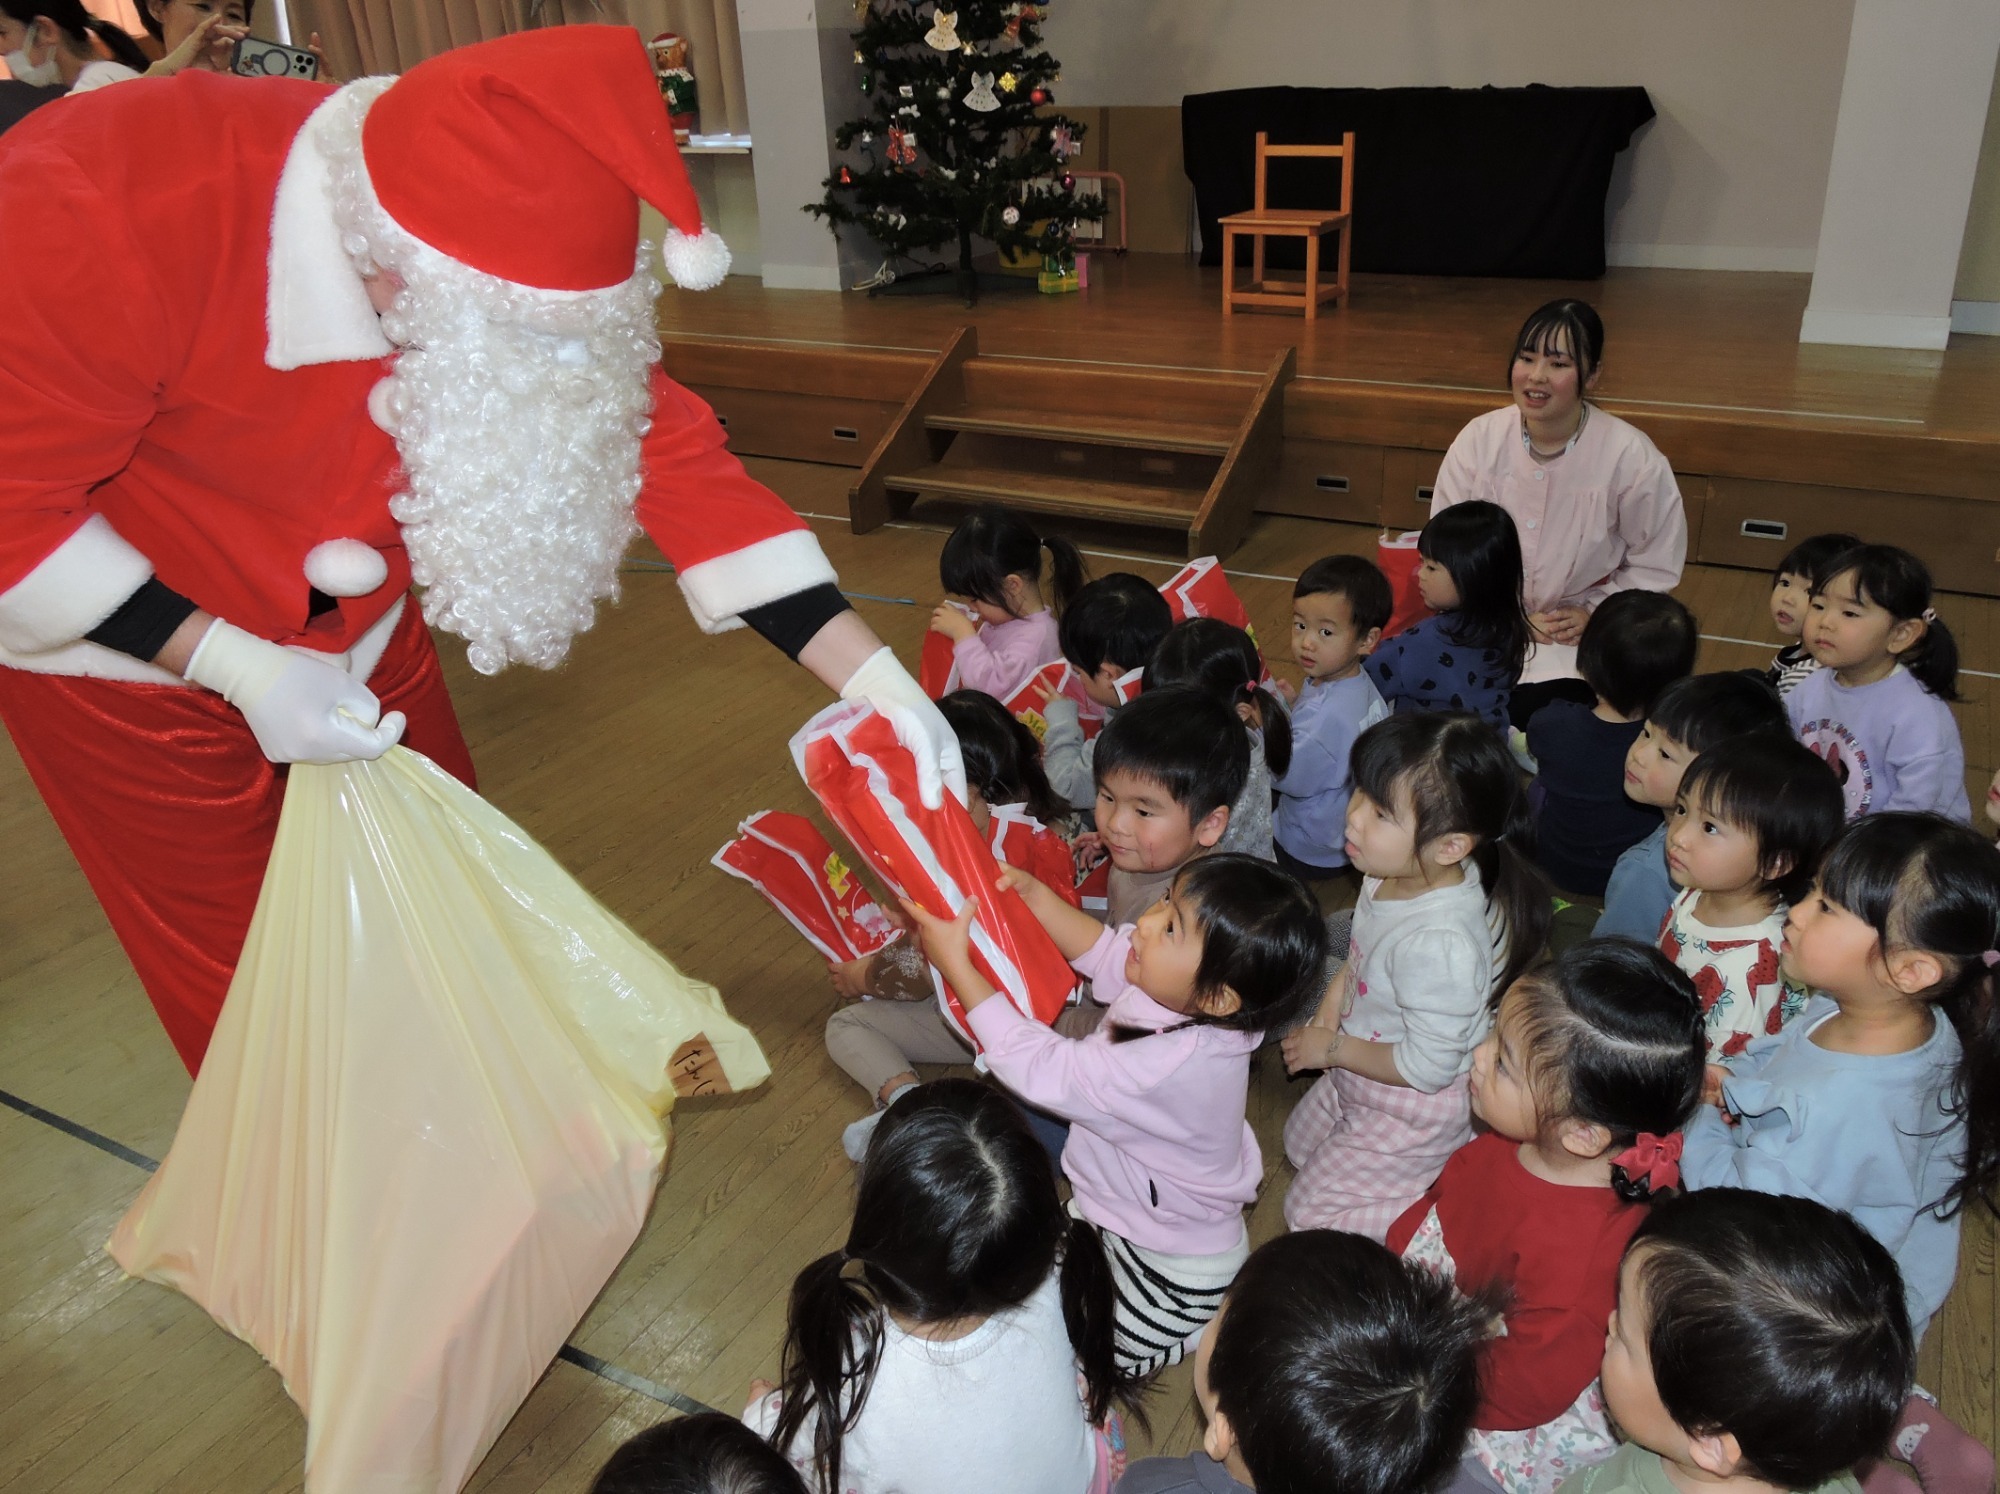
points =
(854, 1139)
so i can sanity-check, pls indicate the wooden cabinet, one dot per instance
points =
(1407, 479)
(1751, 523)
(799, 427)
(1326, 480)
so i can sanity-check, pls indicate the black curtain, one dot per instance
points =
(1448, 181)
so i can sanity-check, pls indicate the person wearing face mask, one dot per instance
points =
(49, 43)
(1594, 501)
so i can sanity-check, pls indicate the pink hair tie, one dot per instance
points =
(1990, 958)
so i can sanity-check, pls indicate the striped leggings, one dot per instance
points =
(1164, 1301)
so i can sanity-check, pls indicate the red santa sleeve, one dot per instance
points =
(734, 543)
(82, 350)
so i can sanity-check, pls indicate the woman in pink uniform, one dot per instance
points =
(1595, 503)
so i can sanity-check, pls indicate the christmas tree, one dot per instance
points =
(959, 142)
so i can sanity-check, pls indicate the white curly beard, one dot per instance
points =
(518, 413)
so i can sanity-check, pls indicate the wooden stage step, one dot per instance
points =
(1160, 450)
(1097, 430)
(1112, 502)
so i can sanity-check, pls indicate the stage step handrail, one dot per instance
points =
(908, 443)
(1232, 497)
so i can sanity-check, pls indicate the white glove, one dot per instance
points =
(885, 684)
(300, 708)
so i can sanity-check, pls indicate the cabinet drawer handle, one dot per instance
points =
(1424, 494)
(1332, 484)
(846, 433)
(1762, 529)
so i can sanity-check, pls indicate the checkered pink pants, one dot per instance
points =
(1367, 1151)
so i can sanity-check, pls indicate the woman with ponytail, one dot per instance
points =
(1221, 660)
(1882, 1097)
(46, 42)
(1452, 911)
(961, 1341)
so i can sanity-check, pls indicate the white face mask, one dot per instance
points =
(40, 74)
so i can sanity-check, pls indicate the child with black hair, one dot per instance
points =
(1876, 710)
(1797, 577)
(707, 1453)
(1883, 1096)
(1452, 910)
(879, 1042)
(1635, 645)
(1468, 654)
(961, 1338)
(1160, 1157)
(1108, 631)
(1340, 605)
(1743, 838)
(1688, 718)
(1760, 1343)
(1592, 1065)
(1168, 768)
(1222, 660)
(994, 560)
(1332, 1365)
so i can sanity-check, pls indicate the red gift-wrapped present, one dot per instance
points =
(865, 780)
(1397, 558)
(937, 669)
(1200, 589)
(1026, 844)
(785, 858)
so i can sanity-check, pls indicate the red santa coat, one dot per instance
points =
(185, 371)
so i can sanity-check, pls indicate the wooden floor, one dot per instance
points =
(1679, 341)
(632, 764)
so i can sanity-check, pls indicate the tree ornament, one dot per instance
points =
(1069, 182)
(844, 177)
(969, 49)
(867, 83)
(860, 57)
(943, 35)
(1010, 216)
(1039, 96)
(906, 91)
(981, 98)
(944, 91)
(1062, 142)
(902, 146)
(1008, 82)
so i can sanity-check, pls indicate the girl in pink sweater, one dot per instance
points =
(1160, 1158)
(1006, 629)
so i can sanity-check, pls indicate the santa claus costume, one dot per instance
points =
(218, 456)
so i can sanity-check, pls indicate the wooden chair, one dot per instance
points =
(1310, 224)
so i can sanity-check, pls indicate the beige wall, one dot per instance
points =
(1979, 254)
(1732, 175)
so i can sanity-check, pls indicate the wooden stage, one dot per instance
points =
(1767, 434)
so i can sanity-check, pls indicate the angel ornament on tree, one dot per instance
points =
(943, 35)
(987, 147)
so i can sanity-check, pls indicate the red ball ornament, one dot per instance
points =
(1069, 183)
(1039, 96)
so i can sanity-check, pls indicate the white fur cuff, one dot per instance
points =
(78, 584)
(719, 590)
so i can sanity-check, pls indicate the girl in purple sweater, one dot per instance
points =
(1160, 1158)
(1875, 710)
(1008, 630)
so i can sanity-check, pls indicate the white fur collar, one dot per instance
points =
(316, 309)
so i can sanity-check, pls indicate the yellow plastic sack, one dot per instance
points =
(429, 1124)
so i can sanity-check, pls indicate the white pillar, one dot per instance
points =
(796, 57)
(1905, 150)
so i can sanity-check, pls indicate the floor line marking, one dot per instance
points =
(583, 1359)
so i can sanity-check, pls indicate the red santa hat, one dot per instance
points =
(527, 157)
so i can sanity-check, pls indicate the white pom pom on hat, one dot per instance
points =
(526, 158)
(346, 567)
